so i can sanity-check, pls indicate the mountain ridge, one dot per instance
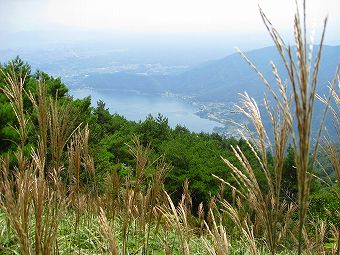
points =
(217, 80)
(233, 75)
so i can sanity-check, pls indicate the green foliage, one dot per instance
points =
(187, 152)
(325, 205)
(55, 89)
(289, 186)
(154, 130)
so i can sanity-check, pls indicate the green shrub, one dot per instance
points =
(325, 205)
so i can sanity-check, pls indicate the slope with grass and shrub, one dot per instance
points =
(78, 180)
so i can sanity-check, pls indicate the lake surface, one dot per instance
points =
(136, 106)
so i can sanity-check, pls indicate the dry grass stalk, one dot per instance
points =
(134, 199)
(141, 155)
(61, 129)
(32, 191)
(108, 233)
(31, 198)
(241, 222)
(316, 246)
(219, 237)
(303, 78)
(329, 144)
(40, 106)
(267, 204)
(16, 202)
(177, 216)
(186, 200)
(50, 203)
(14, 90)
(201, 216)
(113, 196)
(335, 235)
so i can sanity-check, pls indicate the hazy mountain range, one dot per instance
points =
(214, 81)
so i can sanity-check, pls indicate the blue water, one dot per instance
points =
(136, 106)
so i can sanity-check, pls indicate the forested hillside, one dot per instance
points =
(111, 136)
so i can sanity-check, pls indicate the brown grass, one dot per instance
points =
(34, 196)
(290, 109)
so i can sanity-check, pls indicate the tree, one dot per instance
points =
(154, 130)
(289, 184)
(54, 86)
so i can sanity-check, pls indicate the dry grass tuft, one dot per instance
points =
(34, 197)
(291, 120)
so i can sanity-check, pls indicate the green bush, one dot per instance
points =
(325, 205)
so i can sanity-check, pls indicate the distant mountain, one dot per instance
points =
(126, 81)
(222, 79)
(216, 81)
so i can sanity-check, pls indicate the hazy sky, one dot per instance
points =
(222, 17)
(158, 15)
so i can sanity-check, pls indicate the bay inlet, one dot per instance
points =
(136, 106)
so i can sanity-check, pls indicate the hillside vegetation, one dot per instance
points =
(75, 179)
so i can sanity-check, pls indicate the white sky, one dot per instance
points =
(180, 16)
(158, 15)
